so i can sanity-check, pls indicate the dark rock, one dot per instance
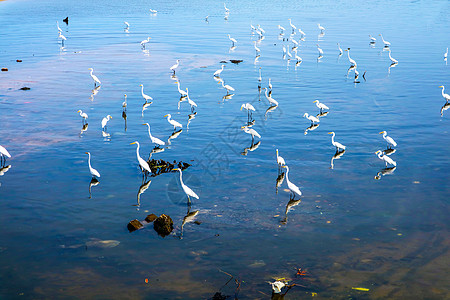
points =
(25, 88)
(236, 61)
(66, 20)
(5, 69)
(134, 225)
(163, 225)
(223, 62)
(150, 218)
(159, 166)
(18, 60)
(219, 296)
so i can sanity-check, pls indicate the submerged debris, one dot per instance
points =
(25, 88)
(160, 166)
(236, 61)
(163, 225)
(5, 69)
(18, 60)
(219, 296)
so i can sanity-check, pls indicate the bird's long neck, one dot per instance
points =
(332, 138)
(91, 70)
(142, 90)
(348, 54)
(384, 135)
(168, 118)
(443, 88)
(89, 161)
(277, 153)
(287, 174)
(149, 133)
(379, 155)
(181, 177)
(137, 150)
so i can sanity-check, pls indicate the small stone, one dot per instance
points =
(163, 225)
(134, 225)
(236, 61)
(150, 218)
(5, 69)
(18, 60)
(25, 88)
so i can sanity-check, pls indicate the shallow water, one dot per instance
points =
(349, 230)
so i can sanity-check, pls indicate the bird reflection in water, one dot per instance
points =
(252, 148)
(444, 108)
(83, 129)
(94, 182)
(385, 171)
(173, 136)
(124, 116)
(389, 151)
(279, 181)
(289, 206)
(189, 218)
(107, 136)
(144, 186)
(337, 155)
(4, 169)
(145, 106)
(312, 127)
(391, 66)
(95, 92)
(227, 97)
(190, 117)
(270, 109)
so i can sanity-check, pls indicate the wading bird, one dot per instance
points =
(105, 121)
(385, 158)
(174, 123)
(271, 100)
(3, 154)
(154, 140)
(388, 139)
(182, 93)
(83, 115)
(292, 187)
(218, 72)
(95, 78)
(292, 26)
(249, 109)
(175, 66)
(311, 118)
(124, 103)
(189, 193)
(227, 87)
(144, 42)
(372, 39)
(93, 171)
(336, 144)
(232, 40)
(446, 96)
(321, 106)
(340, 50)
(320, 27)
(352, 61)
(145, 96)
(142, 163)
(386, 43)
(394, 61)
(251, 131)
(280, 160)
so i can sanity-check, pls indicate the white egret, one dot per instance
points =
(232, 39)
(288, 53)
(142, 163)
(281, 28)
(270, 85)
(352, 61)
(174, 123)
(280, 160)
(146, 97)
(249, 109)
(218, 72)
(93, 171)
(144, 42)
(127, 25)
(292, 25)
(226, 9)
(105, 121)
(372, 39)
(446, 96)
(301, 32)
(321, 106)
(394, 61)
(386, 43)
(256, 48)
(190, 101)
(124, 103)
(173, 68)
(336, 144)
(206, 18)
(227, 87)
(298, 58)
(260, 29)
(292, 187)
(311, 118)
(83, 115)
(446, 54)
(4, 154)
(95, 78)
(320, 50)
(57, 26)
(320, 27)
(388, 139)
(153, 11)
(186, 189)
(154, 140)
(251, 131)
(271, 100)
(182, 93)
(277, 286)
(62, 37)
(340, 50)
(386, 158)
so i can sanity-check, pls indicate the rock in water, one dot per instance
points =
(134, 225)
(163, 225)
(150, 218)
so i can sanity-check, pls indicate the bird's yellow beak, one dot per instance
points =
(78, 111)
(441, 86)
(144, 124)
(132, 143)
(165, 116)
(86, 152)
(176, 169)
(283, 166)
(241, 107)
(125, 95)
(140, 85)
(380, 132)
(329, 132)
